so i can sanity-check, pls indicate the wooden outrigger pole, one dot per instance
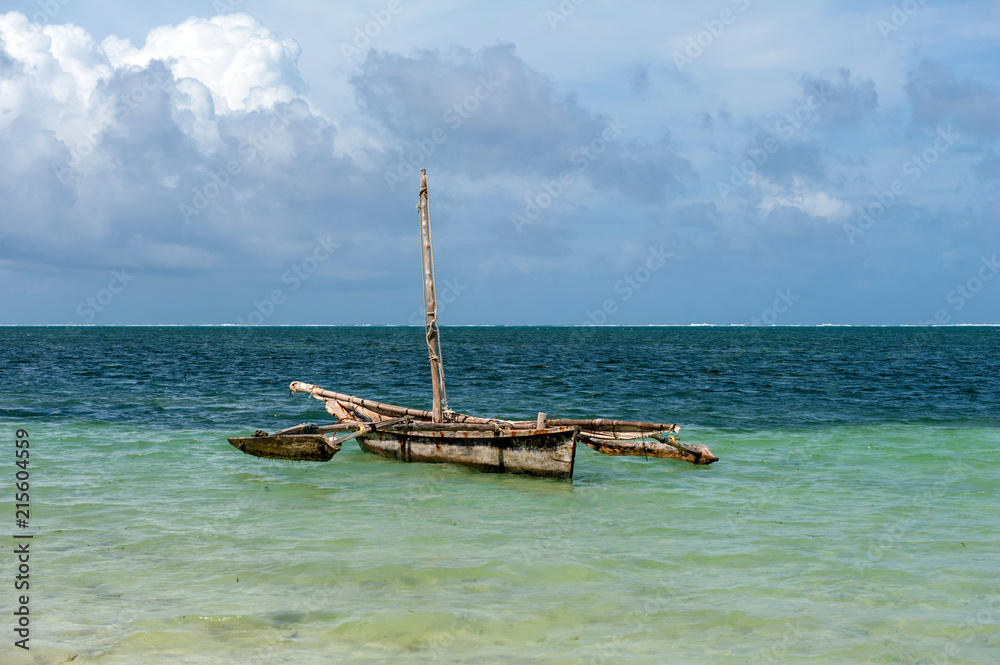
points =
(430, 306)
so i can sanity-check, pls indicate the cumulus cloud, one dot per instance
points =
(176, 155)
(49, 75)
(936, 94)
(60, 76)
(7, 63)
(241, 63)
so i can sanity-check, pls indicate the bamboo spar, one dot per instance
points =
(430, 305)
(589, 424)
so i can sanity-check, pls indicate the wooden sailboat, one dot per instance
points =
(540, 447)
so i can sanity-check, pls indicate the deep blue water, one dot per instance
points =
(727, 378)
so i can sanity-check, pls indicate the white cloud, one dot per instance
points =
(814, 202)
(221, 65)
(242, 63)
(54, 71)
(104, 142)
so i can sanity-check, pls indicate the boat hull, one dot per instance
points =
(695, 453)
(299, 447)
(548, 453)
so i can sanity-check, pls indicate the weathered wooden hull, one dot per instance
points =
(548, 453)
(304, 447)
(691, 452)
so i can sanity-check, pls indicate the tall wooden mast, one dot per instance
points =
(430, 306)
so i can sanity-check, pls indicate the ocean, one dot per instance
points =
(854, 515)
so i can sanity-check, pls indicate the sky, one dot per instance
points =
(589, 162)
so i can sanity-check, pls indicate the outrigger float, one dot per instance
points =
(540, 447)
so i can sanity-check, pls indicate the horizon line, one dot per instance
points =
(500, 325)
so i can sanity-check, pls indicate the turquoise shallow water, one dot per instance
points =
(854, 516)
